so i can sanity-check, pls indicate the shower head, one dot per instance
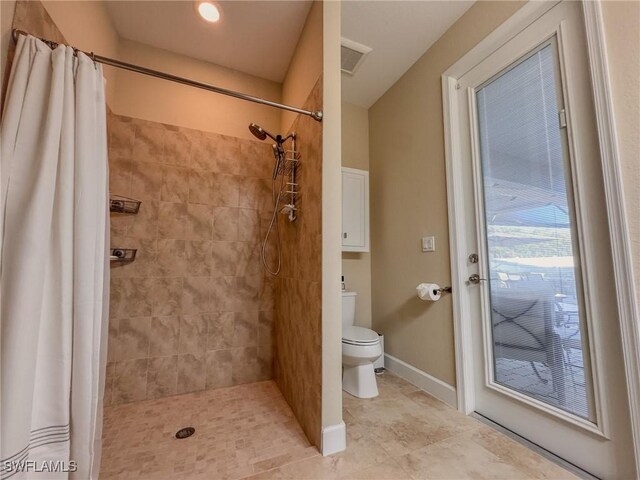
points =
(257, 131)
(261, 134)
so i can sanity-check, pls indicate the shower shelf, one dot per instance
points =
(118, 204)
(291, 162)
(289, 168)
(123, 255)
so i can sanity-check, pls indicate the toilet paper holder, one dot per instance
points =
(431, 292)
(443, 290)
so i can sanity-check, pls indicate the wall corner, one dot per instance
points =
(331, 220)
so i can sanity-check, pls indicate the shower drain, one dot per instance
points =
(185, 432)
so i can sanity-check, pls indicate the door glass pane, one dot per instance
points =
(535, 298)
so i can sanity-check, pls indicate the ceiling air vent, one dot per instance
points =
(351, 55)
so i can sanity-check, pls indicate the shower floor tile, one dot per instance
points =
(250, 431)
(239, 431)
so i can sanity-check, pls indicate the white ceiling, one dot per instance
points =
(255, 37)
(399, 32)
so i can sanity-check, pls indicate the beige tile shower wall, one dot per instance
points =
(298, 293)
(194, 310)
(29, 16)
(7, 9)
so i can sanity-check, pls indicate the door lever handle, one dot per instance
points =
(475, 279)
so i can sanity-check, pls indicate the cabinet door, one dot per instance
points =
(355, 210)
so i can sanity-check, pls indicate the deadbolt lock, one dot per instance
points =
(473, 258)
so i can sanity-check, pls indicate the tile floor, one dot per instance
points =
(240, 431)
(249, 431)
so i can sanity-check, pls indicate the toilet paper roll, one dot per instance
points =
(429, 292)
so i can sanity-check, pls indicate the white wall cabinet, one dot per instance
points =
(355, 210)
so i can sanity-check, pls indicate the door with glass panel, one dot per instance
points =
(548, 362)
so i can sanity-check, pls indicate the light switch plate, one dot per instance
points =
(429, 244)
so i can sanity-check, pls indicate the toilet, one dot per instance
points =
(360, 348)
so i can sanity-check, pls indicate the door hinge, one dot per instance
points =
(458, 86)
(562, 116)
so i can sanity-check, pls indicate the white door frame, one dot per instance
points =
(619, 233)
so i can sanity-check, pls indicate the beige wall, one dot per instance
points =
(87, 26)
(168, 102)
(408, 199)
(356, 266)
(331, 221)
(305, 67)
(622, 30)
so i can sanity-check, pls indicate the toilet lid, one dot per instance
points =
(359, 336)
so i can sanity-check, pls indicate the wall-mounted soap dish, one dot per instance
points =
(123, 255)
(118, 204)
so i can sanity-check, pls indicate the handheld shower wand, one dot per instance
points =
(279, 155)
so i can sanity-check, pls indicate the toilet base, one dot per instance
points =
(360, 380)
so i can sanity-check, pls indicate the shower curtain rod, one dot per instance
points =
(174, 78)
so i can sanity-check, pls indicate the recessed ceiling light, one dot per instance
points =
(209, 11)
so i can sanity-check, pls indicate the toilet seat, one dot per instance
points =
(352, 335)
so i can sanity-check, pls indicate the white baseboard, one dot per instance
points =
(433, 386)
(334, 439)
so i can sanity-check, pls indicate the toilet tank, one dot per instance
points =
(348, 308)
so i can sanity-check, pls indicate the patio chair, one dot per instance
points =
(523, 329)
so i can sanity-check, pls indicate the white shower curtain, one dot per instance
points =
(53, 271)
